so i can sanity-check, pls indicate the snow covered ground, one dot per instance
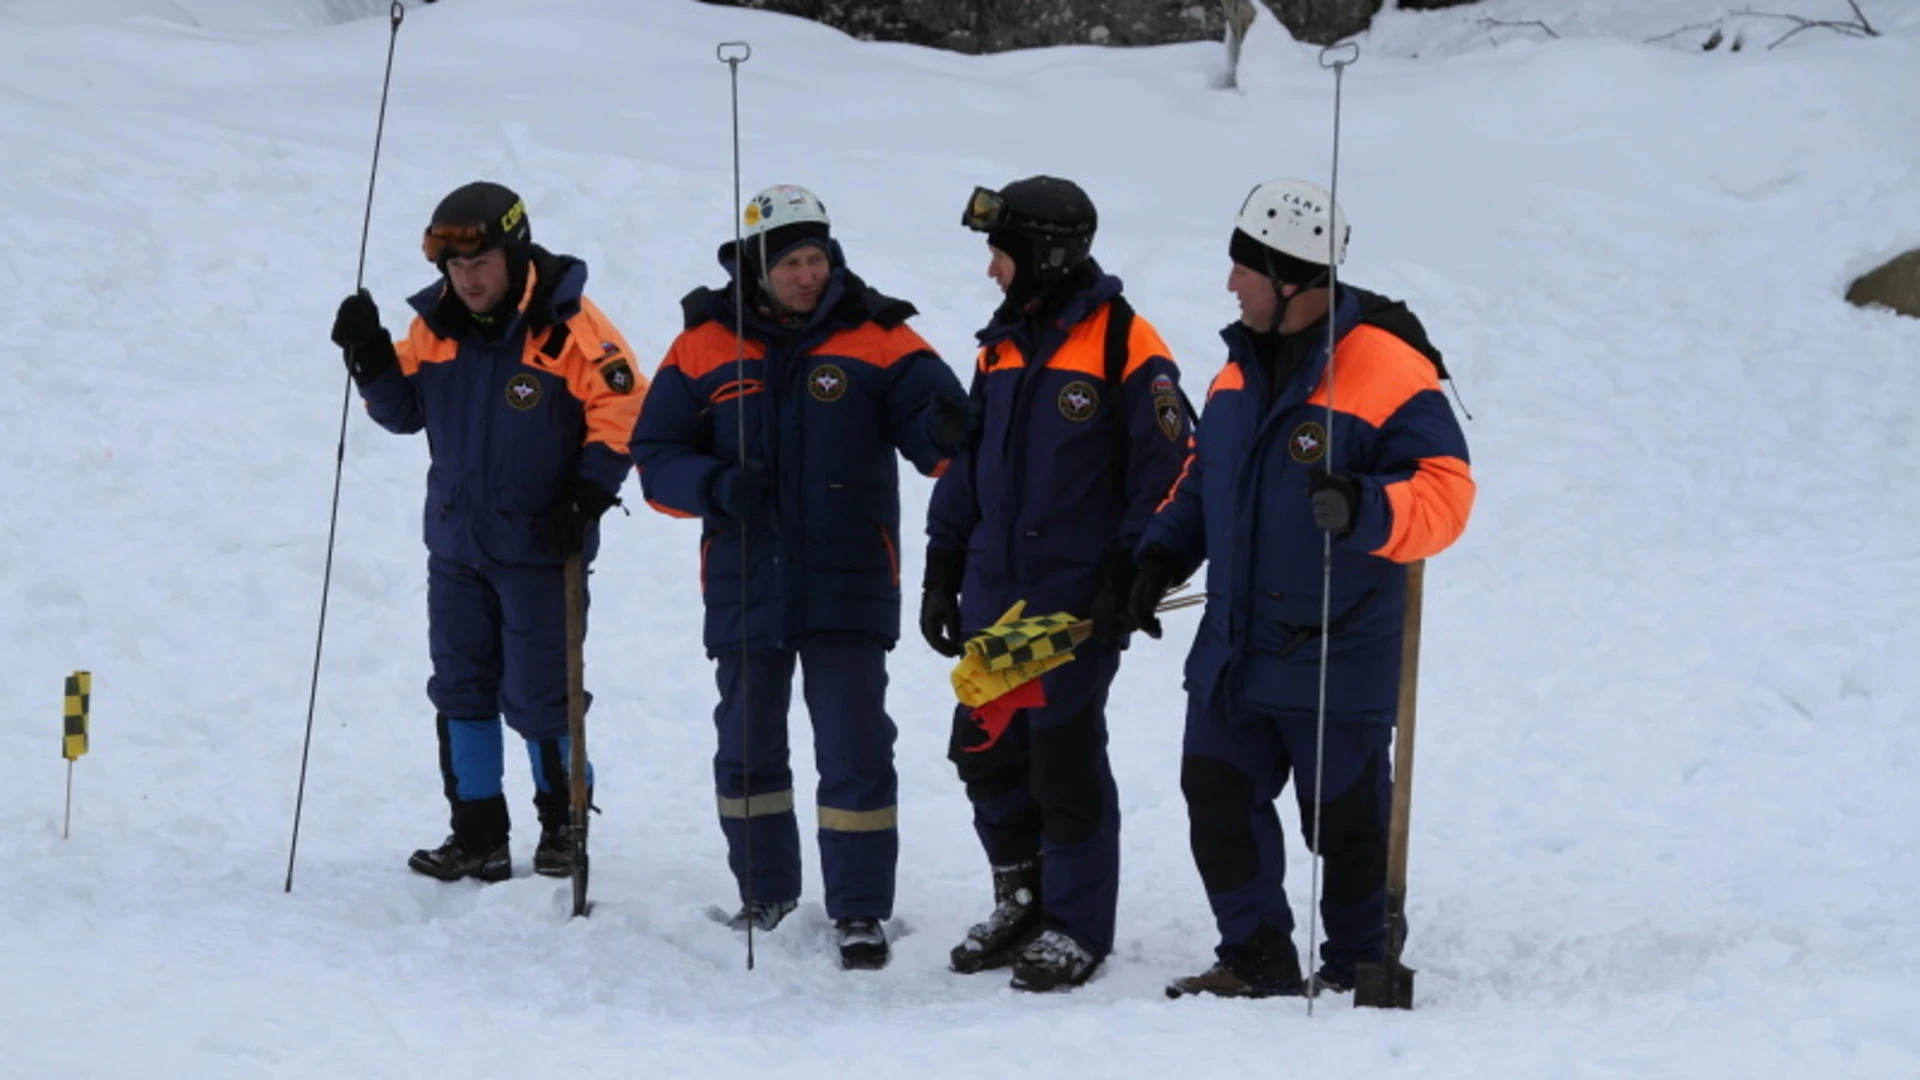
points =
(1665, 822)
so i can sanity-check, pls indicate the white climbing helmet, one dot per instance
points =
(1293, 217)
(781, 205)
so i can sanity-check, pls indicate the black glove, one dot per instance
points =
(1111, 620)
(1159, 571)
(940, 602)
(1336, 501)
(366, 343)
(953, 420)
(563, 526)
(742, 493)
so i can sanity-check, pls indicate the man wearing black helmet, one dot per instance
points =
(1084, 431)
(527, 394)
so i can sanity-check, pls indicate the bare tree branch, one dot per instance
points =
(1713, 26)
(1491, 23)
(1862, 16)
(1859, 28)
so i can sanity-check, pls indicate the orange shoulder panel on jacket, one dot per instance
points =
(1085, 350)
(594, 333)
(1374, 374)
(1006, 357)
(1143, 344)
(878, 345)
(602, 374)
(1230, 378)
(423, 346)
(708, 348)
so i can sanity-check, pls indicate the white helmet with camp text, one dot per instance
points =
(1296, 219)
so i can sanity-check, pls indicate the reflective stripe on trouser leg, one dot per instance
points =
(769, 813)
(1353, 832)
(1233, 769)
(1072, 781)
(845, 681)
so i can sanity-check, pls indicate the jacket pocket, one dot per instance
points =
(1286, 625)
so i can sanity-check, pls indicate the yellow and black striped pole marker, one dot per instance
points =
(73, 740)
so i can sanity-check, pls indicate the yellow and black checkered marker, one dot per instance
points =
(974, 685)
(1013, 652)
(1013, 641)
(79, 705)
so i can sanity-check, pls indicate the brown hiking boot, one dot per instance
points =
(1266, 966)
(1013, 923)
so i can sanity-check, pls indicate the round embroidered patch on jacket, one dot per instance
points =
(1308, 443)
(827, 383)
(523, 391)
(1079, 400)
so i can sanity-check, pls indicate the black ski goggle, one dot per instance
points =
(442, 242)
(985, 212)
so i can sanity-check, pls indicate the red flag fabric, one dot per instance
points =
(994, 716)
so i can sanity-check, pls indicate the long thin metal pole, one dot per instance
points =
(66, 823)
(574, 581)
(733, 54)
(1336, 57)
(395, 14)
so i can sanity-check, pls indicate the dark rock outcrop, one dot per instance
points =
(1895, 285)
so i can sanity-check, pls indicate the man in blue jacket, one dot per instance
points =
(1084, 431)
(1271, 477)
(782, 441)
(527, 393)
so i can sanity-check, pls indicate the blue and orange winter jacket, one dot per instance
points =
(1242, 504)
(1043, 495)
(825, 404)
(510, 420)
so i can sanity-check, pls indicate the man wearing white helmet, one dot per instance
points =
(827, 382)
(1267, 482)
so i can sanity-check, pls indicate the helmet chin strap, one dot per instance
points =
(1282, 301)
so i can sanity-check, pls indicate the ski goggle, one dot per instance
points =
(442, 242)
(985, 212)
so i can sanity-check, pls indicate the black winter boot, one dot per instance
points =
(451, 862)
(863, 944)
(477, 848)
(1053, 961)
(553, 857)
(1013, 923)
(762, 914)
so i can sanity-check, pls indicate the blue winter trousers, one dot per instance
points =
(1046, 789)
(498, 638)
(1235, 766)
(846, 688)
